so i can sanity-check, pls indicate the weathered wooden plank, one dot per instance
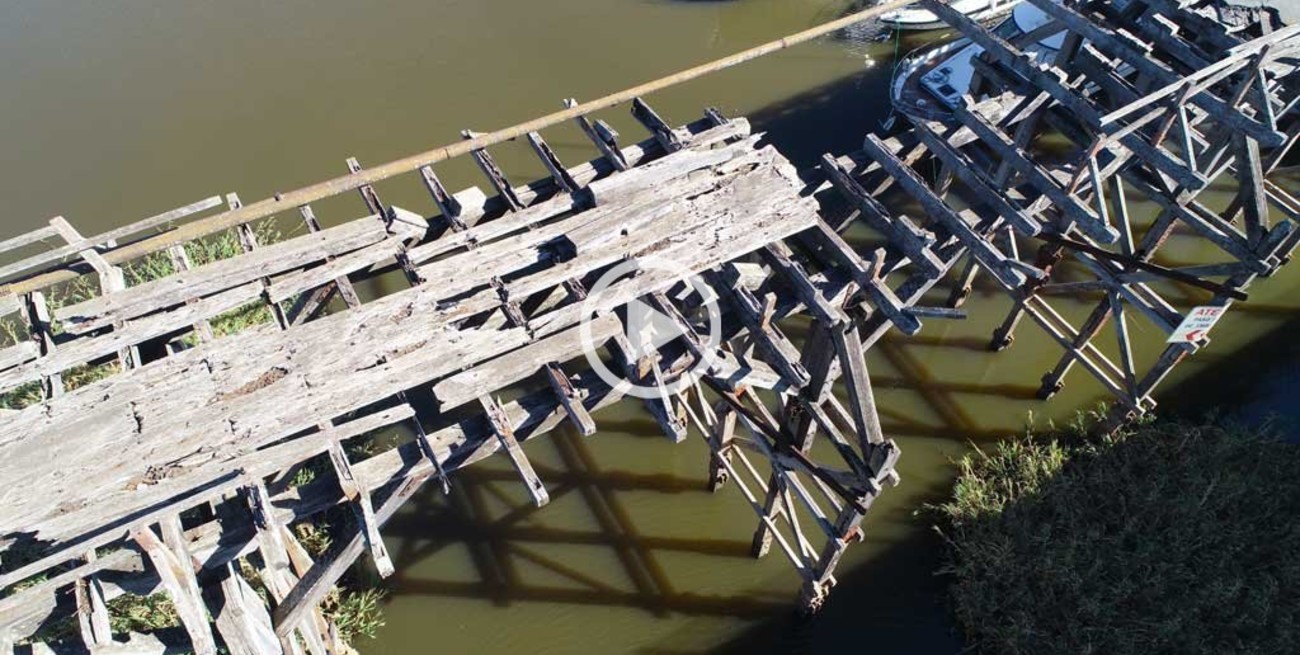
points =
(59, 255)
(782, 260)
(72, 236)
(27, 238)
(606, 141)
(360, 498)
(569, 399)
(207, 485)
(180, 260)
(182, 587)
(867, 277)
(552, 163)
(640, 366)
(17, 354)
(221, 275)
(83, 350)
(317, 582)
(505, 433)
(242, 620)
(512, 367)
(772, 344)
(670, 139)
(336, 269)
(92, 610)
(913, 241)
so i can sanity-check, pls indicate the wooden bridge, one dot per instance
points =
(173, 469)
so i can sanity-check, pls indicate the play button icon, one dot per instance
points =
(648, 328)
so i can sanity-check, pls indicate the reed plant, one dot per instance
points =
(1168, 537)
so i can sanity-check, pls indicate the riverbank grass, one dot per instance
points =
(1170, 537)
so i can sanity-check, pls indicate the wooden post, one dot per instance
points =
(176, 570)
(360, 498)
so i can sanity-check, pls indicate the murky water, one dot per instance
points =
(117, 110)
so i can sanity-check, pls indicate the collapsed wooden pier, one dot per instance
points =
(173, 472)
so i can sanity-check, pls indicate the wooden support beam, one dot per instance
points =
(602, 136)
(1141, 60)
(318, 581)
(494, 374)
(644, 371)
(721, 443)
(1011, 273)
(1078, 213)
(40, 327)
(58, 255)
(1144, 266)
(774, 347)
(867, 277)
(505, 433)
(569, 399)
(111, 279)
(182, 586)
(862, 401)
(969, 173)
(1049, 81)
(243, 621)
(1252, 197)
(913, 241)
(669, 138)
(447, 204)
(218, 276)
(360, 497)
(553, 165)
(180, 260)
(494, 175)
(92, 610)
(782, 260)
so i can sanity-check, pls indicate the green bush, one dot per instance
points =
(1168, 538)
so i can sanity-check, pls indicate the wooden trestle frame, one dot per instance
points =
(167, 473)
(1158, 102)
(229, 418)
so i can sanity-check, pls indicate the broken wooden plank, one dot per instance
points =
(59, 255)
(182, 587)
(500, 422)
(569, 398)
(220, 275)
(360, 498)
(495, 374)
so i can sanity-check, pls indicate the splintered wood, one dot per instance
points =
(174, 472)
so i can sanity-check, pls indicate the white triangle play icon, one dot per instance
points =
(648, 328)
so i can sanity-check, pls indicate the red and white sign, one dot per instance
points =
(1197, 323)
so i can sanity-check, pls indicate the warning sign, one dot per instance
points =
(1197, 323)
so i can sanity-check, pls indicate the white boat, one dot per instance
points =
(931, 80)
(915, 17)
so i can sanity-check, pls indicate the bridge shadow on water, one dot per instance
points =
(938, 393)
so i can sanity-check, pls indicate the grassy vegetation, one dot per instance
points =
(1167, 538)
(355, 608)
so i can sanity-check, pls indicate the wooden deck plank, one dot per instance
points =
(220, 275)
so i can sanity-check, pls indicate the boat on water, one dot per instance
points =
(915, 17)
(931, 80)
